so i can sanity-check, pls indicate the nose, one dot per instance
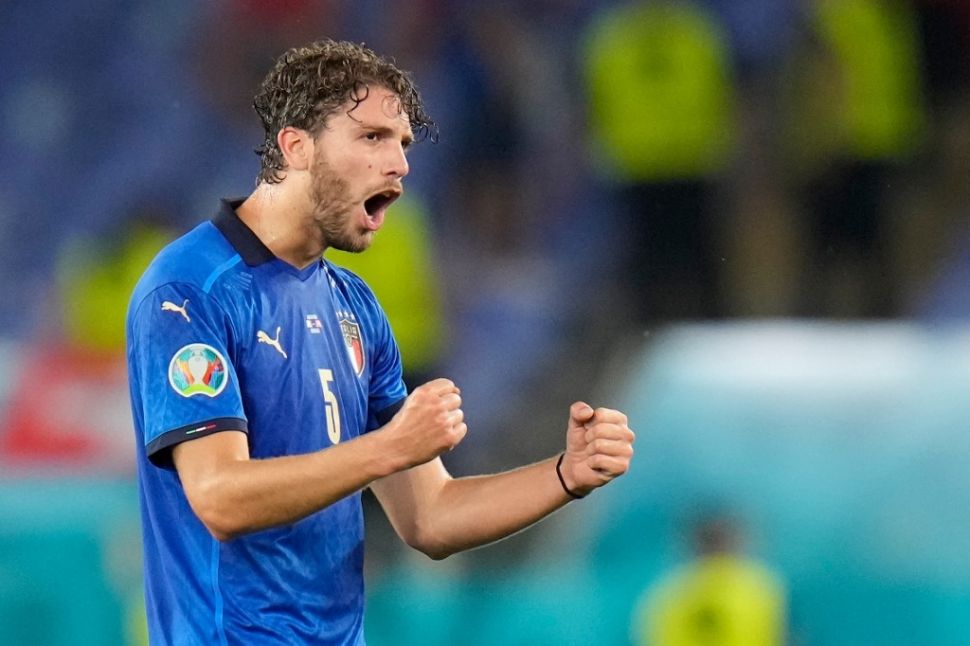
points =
(397, 162)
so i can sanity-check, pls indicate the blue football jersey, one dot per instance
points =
(222, 335)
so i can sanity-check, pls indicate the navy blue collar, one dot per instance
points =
(250, 248)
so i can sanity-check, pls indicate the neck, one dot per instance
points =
(279, 216)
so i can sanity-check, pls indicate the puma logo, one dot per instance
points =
(169, 306)
(262, 337)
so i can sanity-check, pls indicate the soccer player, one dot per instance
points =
(266, 386)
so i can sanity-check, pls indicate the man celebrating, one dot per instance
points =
(266, 386)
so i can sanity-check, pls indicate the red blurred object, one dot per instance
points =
(68, 409)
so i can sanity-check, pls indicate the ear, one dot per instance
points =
(296, 146)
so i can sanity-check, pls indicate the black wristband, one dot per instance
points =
(572, 494)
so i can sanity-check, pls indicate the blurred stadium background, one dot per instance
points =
(747, 222)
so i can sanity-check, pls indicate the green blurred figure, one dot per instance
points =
(720, 599)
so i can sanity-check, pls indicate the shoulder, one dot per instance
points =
(762, 578)
(352, 285)
(345, 276)
(193, 260)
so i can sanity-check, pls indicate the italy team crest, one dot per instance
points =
(355, 345)
(197, 369)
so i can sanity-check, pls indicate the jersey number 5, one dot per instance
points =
(331, 405)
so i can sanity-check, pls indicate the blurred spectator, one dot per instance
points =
(399, 267)
(721, 598)
(661, 110)
(80, 419)
(856, 116)
(96, 277)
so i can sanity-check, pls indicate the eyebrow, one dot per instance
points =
(406, 140)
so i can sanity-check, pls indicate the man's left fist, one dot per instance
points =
(599, 445)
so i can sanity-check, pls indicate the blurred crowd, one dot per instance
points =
(603, 167)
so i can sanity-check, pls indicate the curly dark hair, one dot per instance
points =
(308, 84)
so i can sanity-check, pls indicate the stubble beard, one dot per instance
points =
(333, 210)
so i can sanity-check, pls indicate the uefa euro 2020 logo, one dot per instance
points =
(197, 369)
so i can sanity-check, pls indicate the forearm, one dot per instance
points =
(473, 511)
(247, 495)
(441, 515)
(233, 494)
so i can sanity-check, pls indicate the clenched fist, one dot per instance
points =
(430, 423)
(599, 445)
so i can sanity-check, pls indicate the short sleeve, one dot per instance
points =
(183, 383)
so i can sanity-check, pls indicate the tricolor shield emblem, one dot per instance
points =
(355, 345)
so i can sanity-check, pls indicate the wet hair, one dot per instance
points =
(309, 84)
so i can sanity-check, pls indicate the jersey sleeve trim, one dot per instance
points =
(220, 270)
(159, 450)
(384, 415)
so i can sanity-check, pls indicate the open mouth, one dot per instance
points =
(380, 201)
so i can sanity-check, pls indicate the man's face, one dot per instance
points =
(358, 166)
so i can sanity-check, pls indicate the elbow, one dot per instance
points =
(220, 526)
(220, 534)
(439, 555)
(432, 551)
(426, 541)
(214, 514)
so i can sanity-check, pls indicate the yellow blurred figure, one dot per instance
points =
(662, 117)
(857, 92)
(854, 117)
(95, 281)
(398, 267)
(720, 599)
(660, 91)
(875, 44)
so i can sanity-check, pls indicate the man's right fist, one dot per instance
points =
(430, 423)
